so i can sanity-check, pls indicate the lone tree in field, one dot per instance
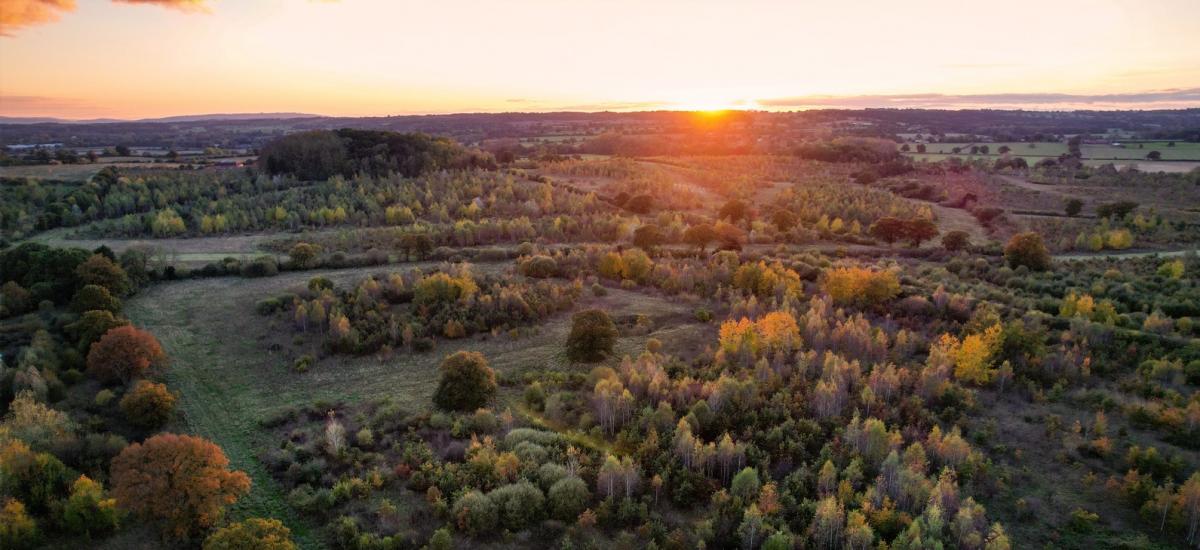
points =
(124, 353)
(592, 336)
(917, 231)
(1027, 249)
(1073, 207)
(467, 383)
(181, 480)
(303, 254)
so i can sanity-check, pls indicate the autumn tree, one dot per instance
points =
(919, 230)
(99, 270)
(887, 229)
(1027, 249)
(699, 236)
(647, 237)
(734, 210)
(303, 254)
(181, 480)
(592, 336)
(467, 382)
(91, 326)
(89, 510)
(860, 286)
(124, 353)
(148, 404)
(95, 298)
(251, 534)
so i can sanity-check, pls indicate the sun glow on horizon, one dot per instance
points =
(107, 59)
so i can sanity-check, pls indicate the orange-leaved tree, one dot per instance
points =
(182, 480)
(124, 353)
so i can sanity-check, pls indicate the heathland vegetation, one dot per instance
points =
(827, 344)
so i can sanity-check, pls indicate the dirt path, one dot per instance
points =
(1120, 255)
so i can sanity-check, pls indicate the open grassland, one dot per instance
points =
(230, 381)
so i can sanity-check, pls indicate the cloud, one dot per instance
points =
(1170, 98)
(181, 5)
(16, 14)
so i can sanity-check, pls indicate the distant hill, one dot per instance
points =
(179, 118)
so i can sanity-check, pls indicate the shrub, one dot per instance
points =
(568, 498)
(262, 266)
(148, 404)
(519, 505)
(592, 336)
(251, 534)
(1027, 249)
(467, 382)
(475, 514)
(538, 267)
(956, 240)
(860, 286)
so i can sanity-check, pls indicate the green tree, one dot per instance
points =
(592, 336)
(475, 514)
(1073, 207)
(568, 498)
(467, 382)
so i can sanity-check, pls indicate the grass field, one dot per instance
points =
(229, 381)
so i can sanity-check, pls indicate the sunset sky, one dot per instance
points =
(148, 58)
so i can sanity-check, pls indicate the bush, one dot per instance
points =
(592, 336)
(519, 505)
(148, 404)
(1027, 249)
(475, 514)
(568, 498)
(467, 382)
(262, 266)
(251, 534)
(956, 240)
(538, 267)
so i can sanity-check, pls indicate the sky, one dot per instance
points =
(81, 59)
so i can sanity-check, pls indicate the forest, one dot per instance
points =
(371, 339)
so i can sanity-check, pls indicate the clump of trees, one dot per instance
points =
(321, 154)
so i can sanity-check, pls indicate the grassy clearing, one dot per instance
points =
(229, 380)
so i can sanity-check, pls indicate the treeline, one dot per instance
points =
(321, 154)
